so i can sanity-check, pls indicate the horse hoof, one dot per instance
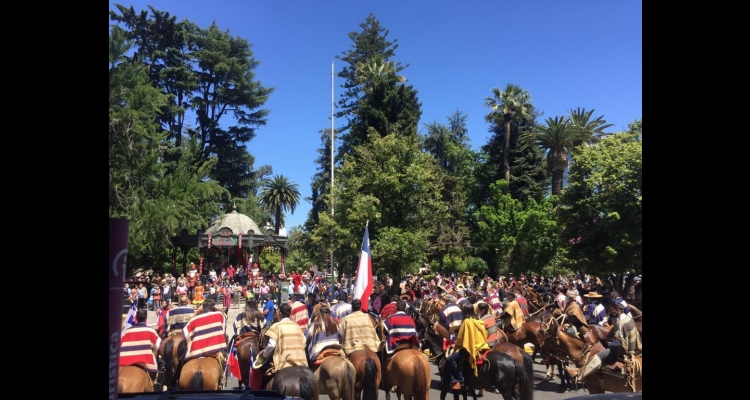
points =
(547, 377)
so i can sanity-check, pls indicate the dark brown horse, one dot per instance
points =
(498, 369)
(169, 353)
(367, 366)
(529, 332)
(296, 381)
(248, 347)
(202, 373)
(133, 379)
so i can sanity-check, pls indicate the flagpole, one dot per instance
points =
(332, 143)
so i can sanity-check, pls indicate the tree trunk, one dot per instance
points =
(506, 152)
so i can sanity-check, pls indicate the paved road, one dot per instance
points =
(543, 389)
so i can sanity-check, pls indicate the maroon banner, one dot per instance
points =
(118, 254)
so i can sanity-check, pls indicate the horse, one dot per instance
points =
(529, 332)
(133, 379)
(296, 381)
(406, 369)
(169, 354)
(367, 366)
(579, 351)
(498, 369)
(336, 376)
(518, 354)
(247, 348)
(409, 371)
(202, 373)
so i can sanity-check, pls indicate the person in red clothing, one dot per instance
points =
(139, 345)
(389, 309)
(230, 273)
(161, 319)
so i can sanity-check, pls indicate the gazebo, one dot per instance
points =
(233, 236)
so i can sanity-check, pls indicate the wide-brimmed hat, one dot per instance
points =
(571, 294)
(259, 360)
(405, 297)
(593, 295)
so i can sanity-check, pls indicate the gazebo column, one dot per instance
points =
(184, 258)
(174, 261)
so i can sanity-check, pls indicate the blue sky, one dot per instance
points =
(583, 53)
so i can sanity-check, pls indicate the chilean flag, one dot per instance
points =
(234, 363)
(363, 284)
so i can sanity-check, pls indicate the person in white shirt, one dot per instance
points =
(212, 275)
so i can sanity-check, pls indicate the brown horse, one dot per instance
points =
(202, 373)
(168, 352)
(529, 332)
(133, 379)
(409, 371)
(248, 347)
(296, 381)
(367, 366)
(579, 351)
(406, 369)
(336, 377)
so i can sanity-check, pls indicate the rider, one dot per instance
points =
(286, 342)
(179, 316)
(512, 312)
(342, 308)
(450, 315)
(250, 320)
(625, 342)
(399, 328)
(139, 345)
(204, 334)
(615, 296)
(299, 313)
(574, 315)
(595, 313)
(389, 309)
(358, 332)
(489, 323)
(323, 333)
(470, 343)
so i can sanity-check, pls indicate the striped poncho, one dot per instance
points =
(401, 328)
(205, 334)
(300, 315)
(137, 347)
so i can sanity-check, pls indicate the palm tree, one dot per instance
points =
(513, 103)
(589, 131)
(557, 139)
(279, 194)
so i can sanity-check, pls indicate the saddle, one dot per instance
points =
(327, 352)
(244, 336)
(483, 357)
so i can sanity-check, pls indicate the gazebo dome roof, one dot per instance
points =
(236, 222)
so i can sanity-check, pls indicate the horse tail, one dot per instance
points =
(181, 352)
(420, 389)
(369, 389)
(525, 381)
(169, 367)
(305, 389)
(528, 365)
(196, 381)
(347, 390)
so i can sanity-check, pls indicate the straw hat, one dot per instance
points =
(593, 295)
(571, 294)
(259, 360)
